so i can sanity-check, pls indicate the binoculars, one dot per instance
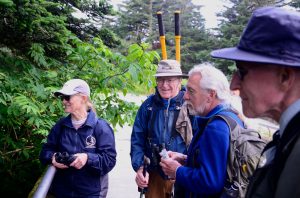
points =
(64, 158)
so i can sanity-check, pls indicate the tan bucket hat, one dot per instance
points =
(169, 68)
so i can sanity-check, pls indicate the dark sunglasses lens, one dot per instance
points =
(241, 73)
(64, 97)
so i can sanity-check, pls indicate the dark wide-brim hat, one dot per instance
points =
(271, 36)
(169, 68)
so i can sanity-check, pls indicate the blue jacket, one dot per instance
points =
(204, 174)
(96, 138)
(149, 129)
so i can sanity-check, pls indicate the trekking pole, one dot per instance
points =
(162, 37)
(177, 35)
(145, 167)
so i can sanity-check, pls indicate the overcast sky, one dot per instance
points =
(209, 10)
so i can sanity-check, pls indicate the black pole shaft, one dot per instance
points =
(160, 24)
(177, 21)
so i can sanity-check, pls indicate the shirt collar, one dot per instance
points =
(287, 115)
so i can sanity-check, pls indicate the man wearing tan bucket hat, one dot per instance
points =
(154, 130)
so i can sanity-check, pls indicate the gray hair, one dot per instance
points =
(213, 79)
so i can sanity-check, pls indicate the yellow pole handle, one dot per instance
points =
(163, 47)
(162, 37)
(177, 47)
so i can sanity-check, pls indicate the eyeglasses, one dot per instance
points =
(241, 72)
(168, 81)
(64, 97)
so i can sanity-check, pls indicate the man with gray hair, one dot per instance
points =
(202, 172)
(154, 129)
(268, 78)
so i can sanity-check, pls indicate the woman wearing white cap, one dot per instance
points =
(80, 146)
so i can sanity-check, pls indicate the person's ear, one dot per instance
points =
(212, 94)
(286, 77)
(85, 98)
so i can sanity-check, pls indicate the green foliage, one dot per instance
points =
(6, 3)
(109, 38)
(33, 23)
(23, 118)
(110, 73)
(88, 20)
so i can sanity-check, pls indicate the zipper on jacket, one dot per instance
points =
(166, 124)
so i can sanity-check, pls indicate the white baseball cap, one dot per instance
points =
(74, 86)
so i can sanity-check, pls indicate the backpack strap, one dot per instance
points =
(151, 107)
(232, 124)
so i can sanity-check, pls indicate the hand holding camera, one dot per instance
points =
(64, 158)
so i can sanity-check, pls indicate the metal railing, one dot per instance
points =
(45, 183)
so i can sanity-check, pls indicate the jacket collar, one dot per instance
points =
(178, 99)
(220, 107)
(91, 120)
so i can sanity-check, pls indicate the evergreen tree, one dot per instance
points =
(138, 23)
(133, 23)
(192, 30)
(86, 19)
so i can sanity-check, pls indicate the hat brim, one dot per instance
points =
(64, 92)
(171, 75)
(237, 54)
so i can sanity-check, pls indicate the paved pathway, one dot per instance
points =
(122, 177)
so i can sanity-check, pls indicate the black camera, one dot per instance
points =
(155, 157)
(64, 158)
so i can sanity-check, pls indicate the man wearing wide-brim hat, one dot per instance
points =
(268, 78)
(154, 129)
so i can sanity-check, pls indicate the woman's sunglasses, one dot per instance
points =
(64, 97)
